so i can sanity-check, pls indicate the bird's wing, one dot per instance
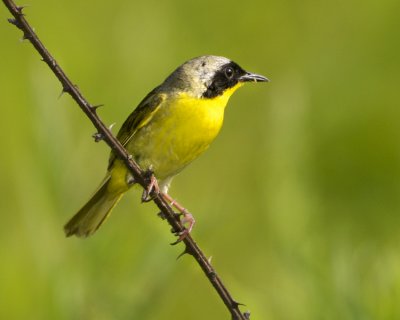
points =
(143, 113)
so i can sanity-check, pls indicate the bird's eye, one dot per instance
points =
(229, 72)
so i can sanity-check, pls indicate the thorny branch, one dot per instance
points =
(105, 134)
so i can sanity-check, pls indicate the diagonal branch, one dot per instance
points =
(139, 175)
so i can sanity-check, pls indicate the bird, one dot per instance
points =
(172, 126)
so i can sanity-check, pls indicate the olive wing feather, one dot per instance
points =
(143, 113)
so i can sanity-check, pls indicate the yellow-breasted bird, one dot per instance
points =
(172, 126)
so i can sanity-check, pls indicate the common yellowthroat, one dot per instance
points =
(174, 124)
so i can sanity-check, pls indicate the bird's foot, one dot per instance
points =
(152, 187)
(190, 221)
(187, 217)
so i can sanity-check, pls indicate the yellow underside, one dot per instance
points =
(180, 131)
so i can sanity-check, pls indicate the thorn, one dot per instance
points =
(111, 126)
(176, 233)
(12, 21)
(20, 8)
(63, 90)
(94, 108)
(176, 242)
(25, 37)
(186, 251)
(237, 304)
(15, 22)
(130, 157)
(97, 136)
(182, 235)
(162, 216)
(247, 315)
(209, 259)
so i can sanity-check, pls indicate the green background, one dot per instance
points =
(297, 201)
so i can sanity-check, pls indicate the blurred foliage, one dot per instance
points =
(297, 201)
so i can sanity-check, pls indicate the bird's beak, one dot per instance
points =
(249, 77)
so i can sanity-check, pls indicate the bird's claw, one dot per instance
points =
(187, 219)
(152, 187)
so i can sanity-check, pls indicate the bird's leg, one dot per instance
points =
(152, 187)
(187, 216)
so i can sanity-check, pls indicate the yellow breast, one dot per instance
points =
(178, 133)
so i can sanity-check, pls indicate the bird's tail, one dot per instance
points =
(94, 212)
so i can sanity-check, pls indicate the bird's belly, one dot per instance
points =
(176, 136)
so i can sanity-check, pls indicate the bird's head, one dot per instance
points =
(209, 77)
